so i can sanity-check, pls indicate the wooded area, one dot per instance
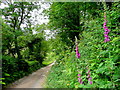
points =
(96, 26)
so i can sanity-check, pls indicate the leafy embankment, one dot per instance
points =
(102, 59)
(22, 51)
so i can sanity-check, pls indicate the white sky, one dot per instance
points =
(2, 5)
(37, 18)
(40, 18)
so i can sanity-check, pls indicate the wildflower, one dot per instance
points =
(104, 16)
(89, 78)
(79, 75)
(79, 80)
(88, 75)
(77, 52)
(106, 40)
(90, 82)
(78, 55)
(106, 35)
(104, 24)
(106, 30)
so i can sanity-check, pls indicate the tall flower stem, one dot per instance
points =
(107, 39)
(77, 51)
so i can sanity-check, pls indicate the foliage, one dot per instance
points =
(67, 18)
(22, 51)
(32, 55)
(13, 71)
(25, 52)
(15, 15)
(55, 46)
(101, 58)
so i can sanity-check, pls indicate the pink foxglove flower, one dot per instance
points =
(89, 78)
(77, 52)
(81, 82)
(106, 30)
(106, 40)
(79, 79)
(90, 82)
(88, 75)
(79, 75)
(106, 35)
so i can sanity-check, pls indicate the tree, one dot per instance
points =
(65, 16)
(68, 18)
(17, 14)
(7, 39)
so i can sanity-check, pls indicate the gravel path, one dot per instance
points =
(34, 80)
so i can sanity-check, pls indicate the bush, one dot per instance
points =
(14, 69)
(102, 59)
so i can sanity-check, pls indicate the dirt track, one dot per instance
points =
(34, 80)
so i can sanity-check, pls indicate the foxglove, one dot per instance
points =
(106, 30)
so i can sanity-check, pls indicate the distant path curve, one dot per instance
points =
(34, 80)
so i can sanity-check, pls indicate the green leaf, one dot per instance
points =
(6, 74)
(2, 82)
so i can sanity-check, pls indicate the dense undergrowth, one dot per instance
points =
(13, 71)
(102, 59)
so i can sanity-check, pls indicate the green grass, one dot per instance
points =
(47, 62)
